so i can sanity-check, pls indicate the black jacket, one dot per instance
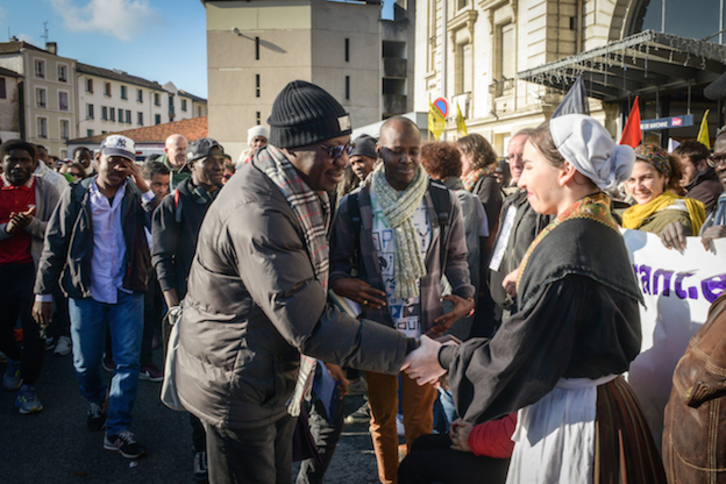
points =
(68, 247)
(174, 230)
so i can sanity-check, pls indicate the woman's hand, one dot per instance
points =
(674, 236)
(422, 364)
(459, 431)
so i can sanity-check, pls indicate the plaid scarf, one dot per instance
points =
(312, 209)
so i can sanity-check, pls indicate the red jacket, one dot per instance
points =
(494, 438)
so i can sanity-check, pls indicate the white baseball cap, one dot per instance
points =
(118, 145)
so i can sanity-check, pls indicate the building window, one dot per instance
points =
(64, 154)
(123, 92)
(40, 98)
(107, 89)
(463, 72)
(40, 69)
(89, 85)
(128, 116)
(463, 4)
(42, 127)
(3, 92)
(506, 50)
(65, 129)
(63, 101)
(89, 132)
(157, 119)
(347, 50)
(347, 87)
(112, 114)
(157, 99)
(257, 85)
(258, 117)
(199, 110)
(139, 96)
(257, 48)
(104, 113)
(171, 105)
(62, 73)
(89, 111)
(184, 105)
(140, 118)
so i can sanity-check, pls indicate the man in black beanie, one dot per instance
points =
(257, 295)
(364, 156)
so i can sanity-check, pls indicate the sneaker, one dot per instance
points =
(400, 429)
(125, 443)
(63, 347)
(360, 416)
(108, 363)
(200, 467)
(151, 372)
(12, 379)
(49, 343)
(358, 387)
(96, 417)
(27, 401)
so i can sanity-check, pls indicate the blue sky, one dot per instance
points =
(159, 40)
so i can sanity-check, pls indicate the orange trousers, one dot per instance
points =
(418, 419)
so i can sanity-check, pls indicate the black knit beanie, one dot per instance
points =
(304, 113)
(365, 146)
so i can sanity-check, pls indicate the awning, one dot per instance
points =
(638, 64)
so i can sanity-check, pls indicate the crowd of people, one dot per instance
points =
(471, 293)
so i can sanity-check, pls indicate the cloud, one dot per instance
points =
(28, 38)
(119, 18)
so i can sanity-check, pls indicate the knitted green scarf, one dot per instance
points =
(398, 209)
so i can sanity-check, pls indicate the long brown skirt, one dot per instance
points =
(625, 452)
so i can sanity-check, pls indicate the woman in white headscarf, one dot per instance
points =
(256, 138)
(559, 359)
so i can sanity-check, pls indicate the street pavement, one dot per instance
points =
(55, 446)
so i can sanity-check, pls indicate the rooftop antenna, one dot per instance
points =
(45, 32)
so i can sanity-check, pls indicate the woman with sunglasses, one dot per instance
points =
(559, 360)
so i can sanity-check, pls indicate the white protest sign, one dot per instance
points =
(678, 289)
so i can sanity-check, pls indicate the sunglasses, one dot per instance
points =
(714, 161)
(337, 151)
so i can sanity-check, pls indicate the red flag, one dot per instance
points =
(632, 135)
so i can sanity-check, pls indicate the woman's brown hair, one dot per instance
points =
(477, 145)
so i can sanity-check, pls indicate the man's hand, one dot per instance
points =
(459, 431)
(711, 233)
(339, 376)
(171, 298)
(510, 283)
(674, 236)
(462, 307)
(360, 291)
(20, 220)
(43, 313)
(129, 168)
(422, 364)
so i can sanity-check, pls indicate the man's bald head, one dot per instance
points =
(175, 148)
(395, 126)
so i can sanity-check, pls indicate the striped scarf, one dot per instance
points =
(312, 209)
(398, 209)
(470, 179)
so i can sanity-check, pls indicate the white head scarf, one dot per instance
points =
(586, 144)
(257, 131)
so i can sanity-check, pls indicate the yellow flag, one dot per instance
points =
(460, 124)
(437, 122)
(703, 131)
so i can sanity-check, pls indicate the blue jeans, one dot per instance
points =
(444, 411)
(125, 321)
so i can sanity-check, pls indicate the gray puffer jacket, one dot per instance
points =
(253, 305)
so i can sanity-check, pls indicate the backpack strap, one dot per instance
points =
(354, 211)
(442, 206)
(177, 206)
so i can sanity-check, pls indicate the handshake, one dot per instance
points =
(422, 364)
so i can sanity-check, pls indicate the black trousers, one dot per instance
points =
(326, 438)
(16, 301)
(433, 461)
(261, 455)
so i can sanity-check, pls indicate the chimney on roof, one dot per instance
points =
(52, 47)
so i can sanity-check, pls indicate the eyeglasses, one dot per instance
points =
(337, 151)
(714, 161)
(511, 158)
(397, 155)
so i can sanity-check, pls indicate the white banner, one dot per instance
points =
(678, 289)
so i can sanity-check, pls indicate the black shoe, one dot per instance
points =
(125, 443)
(96, 417)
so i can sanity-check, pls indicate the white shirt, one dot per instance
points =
(406, 313)
(109, 246)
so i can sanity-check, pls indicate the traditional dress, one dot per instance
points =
(557, 360)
